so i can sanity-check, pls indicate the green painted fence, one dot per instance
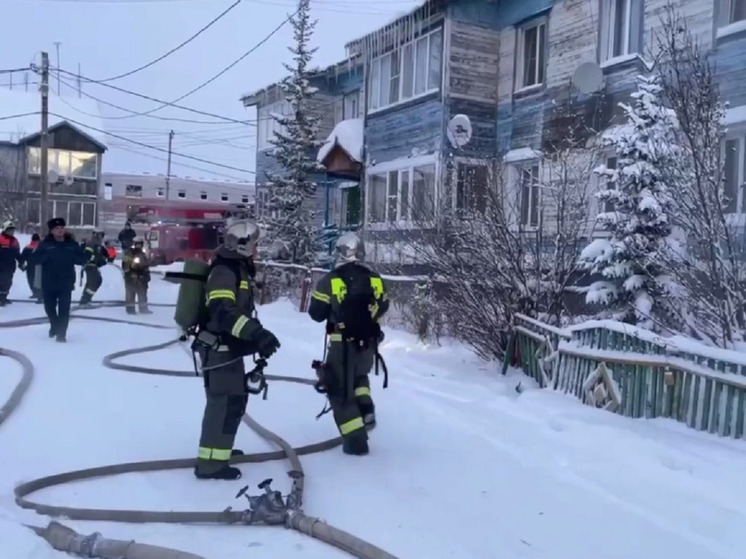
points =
(635, 373)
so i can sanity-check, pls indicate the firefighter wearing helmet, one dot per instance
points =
(229, 331)
(352, 299)
(97, 257)
(10, 255)
(136, 271)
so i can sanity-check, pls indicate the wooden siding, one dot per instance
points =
(572, 38)
(67, 138)
(473, 62)
(483, 143)
(415, 129)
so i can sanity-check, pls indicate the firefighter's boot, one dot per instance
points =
(226, 472)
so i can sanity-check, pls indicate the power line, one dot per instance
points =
(142, 144)
(14, 70)
(204, 84)
(176, 48)
(19, 115)
(155, 100)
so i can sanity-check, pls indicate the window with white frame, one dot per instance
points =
(267, 125)
(531, 54)
(410, 71)
(735, 11)
(203, 195)
(181, 194)
(66, 163)
(224, 197)
(609, 184)
(734, 179)
(160, 192)
(621, 28)
(244, 198)
(402, 195)
(528, 181)
(75, 214)
(352, 105)
(472, 182)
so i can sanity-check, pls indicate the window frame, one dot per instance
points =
(33, 167)
(181, 194)
(738, 135)
(224, 197)
(81, 204)
(534, 195)
(633, 31)
(267, 126)
(386, 170)
(128, 193)
(203, 195)
(468, 162)
(375, 67)
(160, 192)
(542, 26)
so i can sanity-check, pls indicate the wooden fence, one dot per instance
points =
(635, 373)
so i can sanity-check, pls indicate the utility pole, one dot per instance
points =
(168, 168)
(44, 140)
(57, 45)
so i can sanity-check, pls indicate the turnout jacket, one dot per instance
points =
(230, 300)
(97, 255)
(10, 253)
(331, 291)
(135, 265)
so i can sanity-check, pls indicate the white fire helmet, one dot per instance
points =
(350, 248)
(242, 236)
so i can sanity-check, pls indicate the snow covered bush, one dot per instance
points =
(295, 145)
(637, 286)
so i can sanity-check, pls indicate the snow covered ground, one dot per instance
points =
(462, 466)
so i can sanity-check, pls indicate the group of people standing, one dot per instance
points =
(56, 256)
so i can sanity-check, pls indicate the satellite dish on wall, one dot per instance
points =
(53, 176)
(459, 130)
(68, 180)
(588, 78)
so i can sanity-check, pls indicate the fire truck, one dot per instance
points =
(178, 233)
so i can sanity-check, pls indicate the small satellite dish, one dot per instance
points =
(588, 78)
(68, 180)
(53, 176)
(459, 130)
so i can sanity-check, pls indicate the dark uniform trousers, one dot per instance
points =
(350, 397)
(135, 288)
(93, 281)
(227, 397)
(57, 307)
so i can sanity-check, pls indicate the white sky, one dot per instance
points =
(110, 37)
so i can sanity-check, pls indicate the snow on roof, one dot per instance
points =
(28, 104)
(521, 154)
(348, 135)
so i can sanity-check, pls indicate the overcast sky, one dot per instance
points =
(110, 37)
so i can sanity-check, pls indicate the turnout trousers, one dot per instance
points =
(226, 399)
(135, 289)
(57, 307)
(93, 281)
(349, 391)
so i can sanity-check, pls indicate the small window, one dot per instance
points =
(181, 194)
(223, 197)
(160, 192)
(133, 191)
(736, 11)
(621, 28)
(532, 55)
(244, 199)
(734, 172)
(203, 195)
(529, 185)
(611, 163)
(471, 187)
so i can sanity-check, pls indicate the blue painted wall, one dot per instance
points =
(400, 131)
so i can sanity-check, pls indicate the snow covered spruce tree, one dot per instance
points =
(636, 286)
(293, 188)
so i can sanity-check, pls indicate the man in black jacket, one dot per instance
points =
(127, 236)
(58, 254)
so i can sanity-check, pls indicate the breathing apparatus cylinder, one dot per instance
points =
(190, 304)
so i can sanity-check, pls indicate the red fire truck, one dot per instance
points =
(177, 233)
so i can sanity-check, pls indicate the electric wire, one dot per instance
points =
(155, 148)
(14, 70)
(177, 47)
(201, 86)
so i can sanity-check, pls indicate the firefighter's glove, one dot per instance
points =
(267, 343)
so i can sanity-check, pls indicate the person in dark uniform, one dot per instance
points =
(31, 270)
(58, 254)
(127, 236)
(230, 332)
(351, 299)
(98, 257)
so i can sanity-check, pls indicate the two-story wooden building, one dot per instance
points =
(340, 103)
(75, 160)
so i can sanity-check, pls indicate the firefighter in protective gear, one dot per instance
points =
(97, 258)
(351, 299)
(230, 332)
(136, 271)
(10, 255)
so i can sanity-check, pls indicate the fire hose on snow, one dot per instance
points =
(270, 508)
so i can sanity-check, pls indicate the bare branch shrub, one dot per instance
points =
(714, 273)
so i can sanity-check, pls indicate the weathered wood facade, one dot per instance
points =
(74, 199)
